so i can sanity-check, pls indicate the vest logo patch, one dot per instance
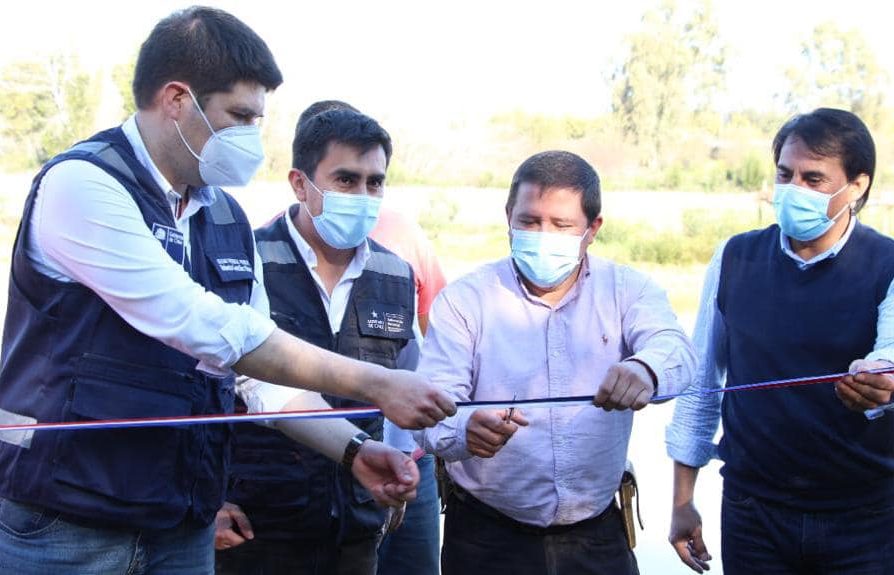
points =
(234, 265)
(389, 322)
(172, 241)
(383, 320)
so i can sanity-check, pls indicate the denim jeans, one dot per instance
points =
(413, 548)
(760, 537)
(480, 541)
(37, 541)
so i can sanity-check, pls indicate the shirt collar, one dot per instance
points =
(361, 253)
(803, 264)
(204, 196)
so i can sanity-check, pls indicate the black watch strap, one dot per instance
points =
(352, 448)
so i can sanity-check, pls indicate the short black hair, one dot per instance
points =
(209, 49)
(559, 169)
(320, 107)
(832, 133)
(336, 126)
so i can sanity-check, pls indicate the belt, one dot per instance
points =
(466, 499)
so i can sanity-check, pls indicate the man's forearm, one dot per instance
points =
(684, 483)
(326, 436)
(404, 397)
(287, 360)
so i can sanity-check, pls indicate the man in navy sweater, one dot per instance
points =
(808, 479)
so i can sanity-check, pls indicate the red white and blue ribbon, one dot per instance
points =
(360, 412)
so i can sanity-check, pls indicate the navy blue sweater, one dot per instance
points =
(800, 446)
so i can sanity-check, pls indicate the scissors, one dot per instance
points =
(509, 413)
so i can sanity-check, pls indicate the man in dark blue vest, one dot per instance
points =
(135, 291)
(331, 286)
(808, 479)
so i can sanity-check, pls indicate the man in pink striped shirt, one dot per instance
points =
(534, 491)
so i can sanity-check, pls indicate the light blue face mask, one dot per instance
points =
(346, 219)
(802, 213)
(546, 259)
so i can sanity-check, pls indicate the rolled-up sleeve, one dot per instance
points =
(690, 435)
(262, 397)
(448, 360)
(88, 227)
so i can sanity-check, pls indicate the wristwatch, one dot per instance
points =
(352, 448)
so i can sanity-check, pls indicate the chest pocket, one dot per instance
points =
(235, 273)
(303, 326)
(384, 328)
(383, 319)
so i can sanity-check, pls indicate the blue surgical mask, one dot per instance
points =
(546, 259)
(802, 213)
(231, 156)
(346, 219)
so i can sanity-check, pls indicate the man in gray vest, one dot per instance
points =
(331, 286)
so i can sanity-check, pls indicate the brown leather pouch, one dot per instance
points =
(445, 485)
(627, 492)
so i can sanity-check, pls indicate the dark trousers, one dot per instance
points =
(760, 537)
(258, 557)
(479, 539)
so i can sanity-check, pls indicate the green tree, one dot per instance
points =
(44, 107)
(122, 77)
(671, 72)
(838, 69)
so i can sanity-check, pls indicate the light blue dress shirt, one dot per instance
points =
(491, 339)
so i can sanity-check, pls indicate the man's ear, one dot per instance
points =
(594, 228)
(861, 184)
(174, 99)
(296, 180)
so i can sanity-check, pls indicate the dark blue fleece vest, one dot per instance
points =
(288, 490)
(67, 356)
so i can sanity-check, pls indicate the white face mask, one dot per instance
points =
(231, 156)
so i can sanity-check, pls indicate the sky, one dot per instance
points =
(409, 60)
